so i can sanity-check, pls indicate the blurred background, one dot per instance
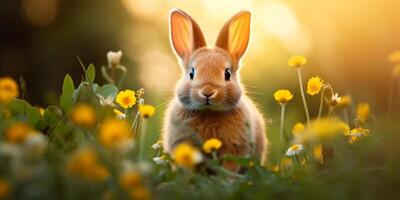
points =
(346, 42)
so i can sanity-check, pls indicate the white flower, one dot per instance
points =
(335, 98)
(141, 101)
(156, 145)
(159, 160)
(108, 101)
(294, 150)
(114, 57)
(197, 157)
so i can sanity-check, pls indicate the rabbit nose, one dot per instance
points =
(208, 94)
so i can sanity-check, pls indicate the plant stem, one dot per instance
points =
(298, 159)
(123, 74)
(391, 94)
(303, 96)
(321, 104)
(142, 139)
(281, 134)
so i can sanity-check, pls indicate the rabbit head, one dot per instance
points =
(210, 78)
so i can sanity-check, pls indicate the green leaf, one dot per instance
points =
(107, 90)
(68, 89)
(23, 111)
(90, 73)
(51, 117)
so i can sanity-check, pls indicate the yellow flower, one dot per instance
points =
(83, 115)
(140, 193)
(129, 179)
(344, 128)
(298, 131)
(8, 89)
(363, 111)
(84, 164)
(323, 129)
(275, 168)
(344, 101)
(113, 133)
(186, 156)
(286, 163)
(146, 111)
(4, 189)
(18, 133)
(41, 111)
(283, 96)
(297, 61)
(318, 155)
(357, 134)
(394, 57)
(314, 85)
(126, 99)
(298, 128)
(212, 144)
(396, 71)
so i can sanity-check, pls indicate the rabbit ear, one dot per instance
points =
(234, 35)
(185, 34)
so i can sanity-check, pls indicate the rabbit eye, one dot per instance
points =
(227, 74)
(191, 74)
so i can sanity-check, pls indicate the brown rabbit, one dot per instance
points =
(210, 100)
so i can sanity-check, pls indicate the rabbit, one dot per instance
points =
(209, 100)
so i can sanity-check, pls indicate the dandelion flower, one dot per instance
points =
(363, 111)
(84, 164)
(212, 144)
(323, 129)
(83, 115)
(186, 156)
(357, 134)
(129, 179)
(146, 111)
(8, 89)
(314, 85)
(126, 99)
(119, 114)
(283, 96)
(298, 128)
(297, 61)
(114, 58)
(294, 150)
(114, 133)
(18, 132)
(4, 189)
(318, 154)
(298, 131)
(394, 57)
(345, 101)
(157, 145)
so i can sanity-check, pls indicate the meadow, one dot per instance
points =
(85, 85)
(94, 144)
